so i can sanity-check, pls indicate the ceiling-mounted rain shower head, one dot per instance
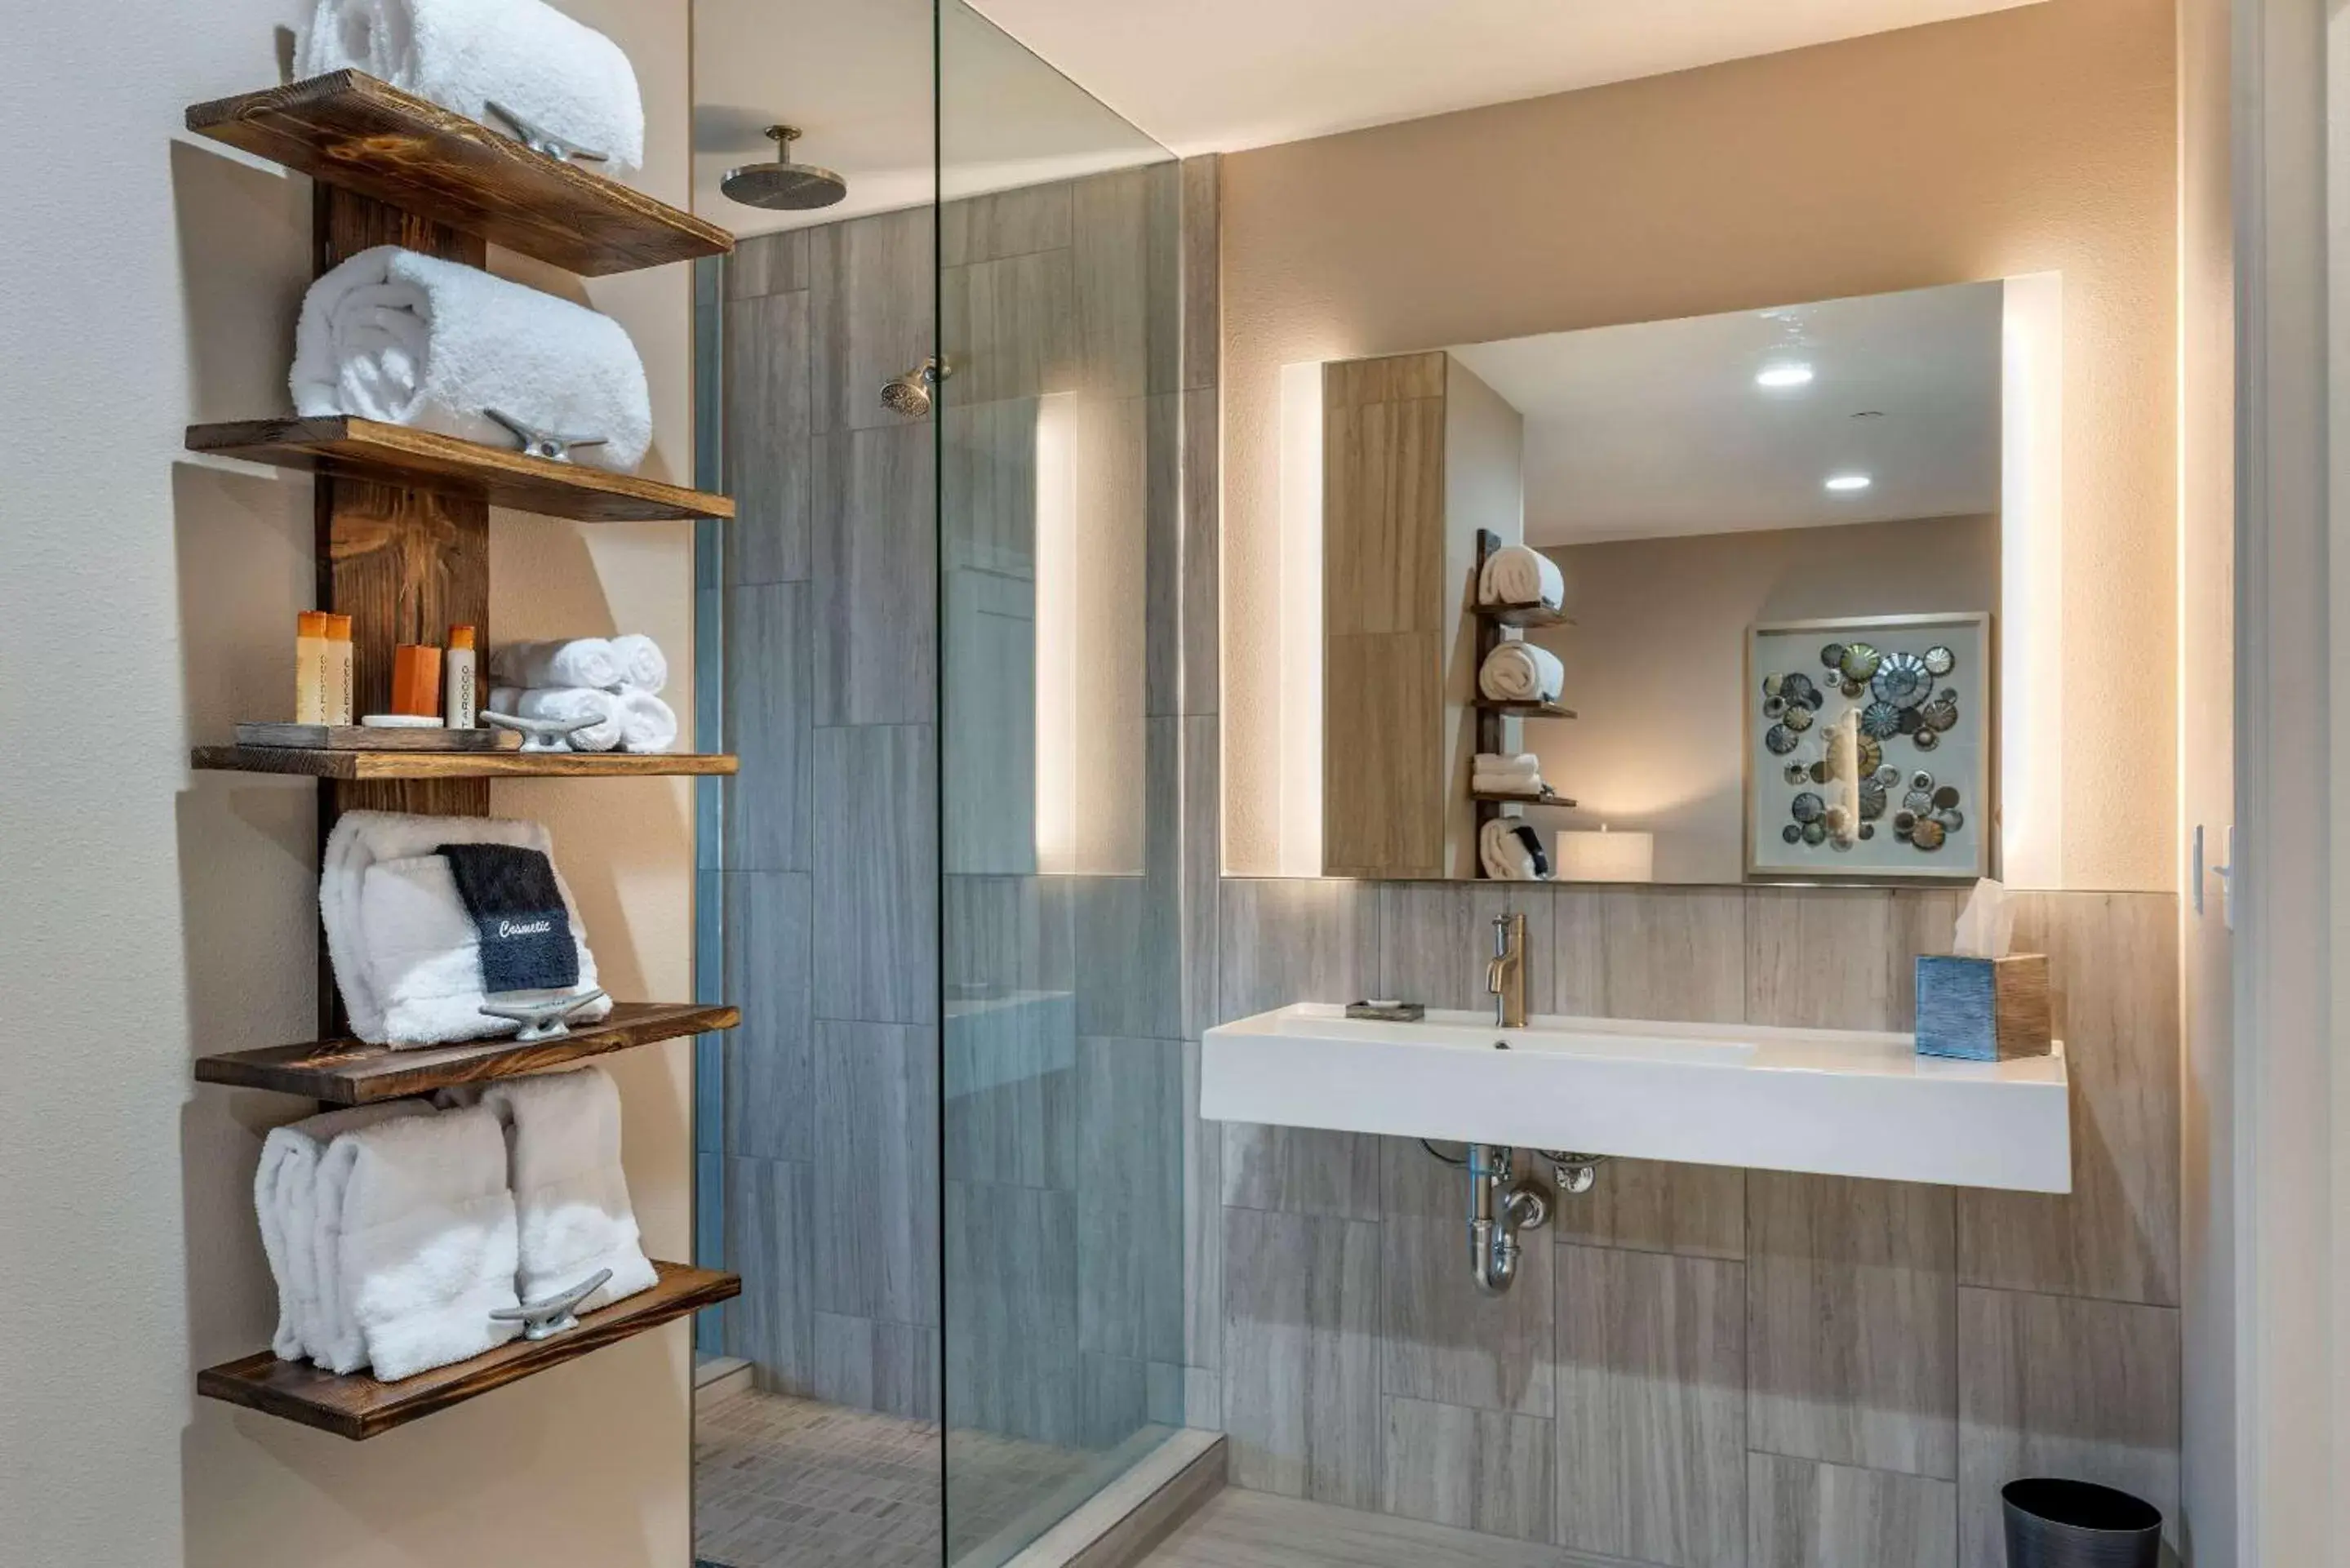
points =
(784, 186)
(909, 394)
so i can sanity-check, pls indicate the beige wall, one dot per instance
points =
(2035, 139)
(153, 915)
(1656, 662)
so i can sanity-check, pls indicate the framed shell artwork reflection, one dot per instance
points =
(1887, 773)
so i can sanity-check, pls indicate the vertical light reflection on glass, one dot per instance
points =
(1056, 629)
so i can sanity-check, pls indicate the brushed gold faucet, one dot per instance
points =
(1506, 971)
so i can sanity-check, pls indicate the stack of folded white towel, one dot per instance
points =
(1518, 671)
(405, 950)
(1497, 772)
(1511, 851)
(393, 1232)
(617, 681)
(1516, 576)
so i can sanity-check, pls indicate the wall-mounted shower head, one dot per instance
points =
(784, 185)
(909, 394)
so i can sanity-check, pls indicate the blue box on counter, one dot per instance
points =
(1984, 1010)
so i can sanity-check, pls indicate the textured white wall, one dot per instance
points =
(147, 280)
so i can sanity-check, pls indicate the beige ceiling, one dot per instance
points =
(1216, 74)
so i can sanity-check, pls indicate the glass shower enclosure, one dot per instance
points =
(943, 1150)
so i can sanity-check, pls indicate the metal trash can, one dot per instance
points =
(2054, 1523)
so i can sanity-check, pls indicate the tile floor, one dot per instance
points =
(779, 1480)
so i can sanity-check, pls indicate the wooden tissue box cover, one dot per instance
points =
(1984, 1010)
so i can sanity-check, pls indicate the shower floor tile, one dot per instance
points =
(780, 1480)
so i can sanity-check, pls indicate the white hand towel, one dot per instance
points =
(1502, 850)
(1507, 783)
(563, 76)
(566, 705)
(1521, 672)
(413, 340)
(1515, 575)
(424, 956)
(570, 661)
(571, 1201)
(361, 840)
(1500, 764)
(284, 1188)
(646, 723)
(428, 1245)
(643, 666)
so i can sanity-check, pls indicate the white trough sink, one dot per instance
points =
(1837, 1101)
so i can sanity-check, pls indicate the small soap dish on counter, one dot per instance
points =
(1385, 1012)
(429, 737)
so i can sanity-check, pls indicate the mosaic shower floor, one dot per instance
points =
(779, 1480)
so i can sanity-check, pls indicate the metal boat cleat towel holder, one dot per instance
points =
(546, 444)
(540, 734)
(556, 1314)
(541, 1021)
(540, 140)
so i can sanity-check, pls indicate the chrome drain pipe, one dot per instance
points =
(1497, 1212)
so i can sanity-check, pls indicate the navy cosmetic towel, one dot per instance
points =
(526, 931)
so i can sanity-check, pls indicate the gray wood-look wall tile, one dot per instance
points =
(1111, 250)
(1651, 1395)
(1297, 940)
(1851, 1308)
(1011, 1109)
(1820, 958)
(1302, 1402)
(1446, 1343)
(1009, 933)
(1004, 224)
(1203, 342)
(841, 1360)
(1435, 938)
(877, 876)
(2112, 961)
(1162, 575)
(1202, 870)
(892, 1367)
(767, 438)
(1803, 1514)
(1129, 929)
(769, 708)
(769, 1243)
(1301, 1170)
(1675, 953)
(1653, 1205)
(871, 287)
(1114, 1398)
(1202, 481)
(1203, 1225)
(768, 1073)
(1416, 1184)
(876, 561)
(2062, 1385)
(1011, 326)
(1130, 1301)
(1012, 1365)
(768, 264)
(1475, 1469)
(877, 1129)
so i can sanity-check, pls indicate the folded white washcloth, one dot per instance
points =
(1502, 764)
(566, 705)
(571, 1199)
(568, 661)
(563, 76)
(285, 1188)
(1515, 575)
(1507, 783)
(403, 944)
(1520, 672)
(427, 1246)
(414, 341)
(643, 666)
(646, 723)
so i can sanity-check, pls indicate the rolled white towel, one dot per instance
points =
(643, 666)
(284, 1190)
(646, 723)
(566, 705)
(414, 341)
(571, 1198)
(1515, 575)
(1508, 783)
(563, 76)
(428, 1245)
(1512, 852)
(405, 944)
(1520, 672)
(1503, 765)
(568, 661)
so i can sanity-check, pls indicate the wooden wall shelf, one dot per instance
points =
(354, 1073)
(346, 447)
(1523, 710)
(326, 765)
(1525, 616)
(1547, 798)
(350, 129)
(359, 1408)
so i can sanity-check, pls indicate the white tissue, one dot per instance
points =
(1987, 925)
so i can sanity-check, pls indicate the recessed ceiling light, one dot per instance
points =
(1784, 376)
(1848, 482)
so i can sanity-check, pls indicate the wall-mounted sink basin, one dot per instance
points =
(1837, 1102)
